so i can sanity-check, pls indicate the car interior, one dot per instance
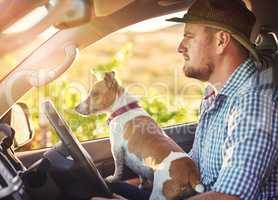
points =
(73, 169)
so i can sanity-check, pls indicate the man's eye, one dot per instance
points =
(188, 35)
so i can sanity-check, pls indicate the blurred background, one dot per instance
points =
(146, 64)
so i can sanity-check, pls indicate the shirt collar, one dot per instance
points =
(238, 77)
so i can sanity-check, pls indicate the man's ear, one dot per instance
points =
(223, 39)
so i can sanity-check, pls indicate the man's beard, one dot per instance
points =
(202, 74)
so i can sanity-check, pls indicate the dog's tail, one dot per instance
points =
(199, 188)
(195, 188)
(191, 191)
(195, 183)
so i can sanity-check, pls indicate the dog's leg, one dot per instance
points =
(118, 156)
(145, 183)
(157, 187)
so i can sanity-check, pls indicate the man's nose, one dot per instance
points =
(181, 47)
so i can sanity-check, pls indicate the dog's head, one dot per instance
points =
(101, 97)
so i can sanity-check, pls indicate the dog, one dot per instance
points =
(138, 141)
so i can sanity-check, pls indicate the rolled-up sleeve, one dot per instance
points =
(250, 149)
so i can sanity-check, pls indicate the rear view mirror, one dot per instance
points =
(60, 13)
(21, 124)
(78, 12)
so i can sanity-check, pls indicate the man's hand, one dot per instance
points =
(213, 196)
(115, 197)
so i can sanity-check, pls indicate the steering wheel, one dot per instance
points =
(74, 148)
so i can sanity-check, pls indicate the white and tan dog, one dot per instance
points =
(138, 141)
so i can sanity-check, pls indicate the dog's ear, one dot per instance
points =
(109, 78)
(109, 75)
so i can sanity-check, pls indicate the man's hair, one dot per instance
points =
(211, 31)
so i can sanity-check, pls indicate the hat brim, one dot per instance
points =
(241, 38)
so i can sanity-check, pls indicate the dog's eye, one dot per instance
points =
(95, 93)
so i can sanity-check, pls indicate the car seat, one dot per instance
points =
(267, 47)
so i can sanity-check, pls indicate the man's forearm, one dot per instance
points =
(214, 196)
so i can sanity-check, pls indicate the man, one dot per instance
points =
(236, 142)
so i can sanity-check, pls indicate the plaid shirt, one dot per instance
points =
(236, 142)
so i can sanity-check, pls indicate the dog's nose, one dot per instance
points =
(82, 109)
(78, 108)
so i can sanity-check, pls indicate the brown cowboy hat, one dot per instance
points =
(231, 16)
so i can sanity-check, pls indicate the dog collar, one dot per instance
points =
(122, 110)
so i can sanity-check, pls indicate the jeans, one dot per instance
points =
(130, 192)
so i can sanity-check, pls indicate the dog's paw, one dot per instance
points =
(112, 179)
(146, 184)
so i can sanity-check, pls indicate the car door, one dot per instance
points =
(100, 149)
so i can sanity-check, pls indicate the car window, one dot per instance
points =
(146, 64)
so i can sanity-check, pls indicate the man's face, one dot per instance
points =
(198, 51)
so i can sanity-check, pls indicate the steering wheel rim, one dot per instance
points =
(75, 149)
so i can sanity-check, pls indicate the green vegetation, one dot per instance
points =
(60, 92)
(92, 127)
(146, 64)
